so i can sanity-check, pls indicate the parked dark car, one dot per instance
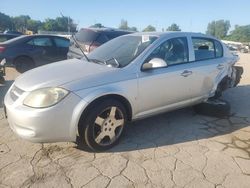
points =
(91, 38)
(13, 32)
(27, 52)
(4, 37)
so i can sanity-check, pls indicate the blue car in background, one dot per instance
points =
(27, 52)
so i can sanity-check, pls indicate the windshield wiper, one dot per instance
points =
(98, 61)
(73, 36)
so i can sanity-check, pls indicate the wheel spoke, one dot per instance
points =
(112, 111)
(99, 120)
(119, 123)
(100, 137)
(112, 135)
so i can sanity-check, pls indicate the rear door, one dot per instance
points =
(43, 50)
(62, 46)
(207, 65)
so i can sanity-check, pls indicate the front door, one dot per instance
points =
(166, 87)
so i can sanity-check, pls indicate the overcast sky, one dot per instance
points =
(190, 15)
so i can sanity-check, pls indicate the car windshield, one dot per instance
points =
(120, 51)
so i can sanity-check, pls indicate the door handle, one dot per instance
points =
(220, 66)
(186, 73)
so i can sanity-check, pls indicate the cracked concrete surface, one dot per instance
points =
(177, 149)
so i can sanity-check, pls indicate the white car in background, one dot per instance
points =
(131, 77)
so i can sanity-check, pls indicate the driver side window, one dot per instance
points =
(173, 51)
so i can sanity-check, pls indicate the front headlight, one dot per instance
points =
(45, 97)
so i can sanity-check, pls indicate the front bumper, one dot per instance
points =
(43, 125)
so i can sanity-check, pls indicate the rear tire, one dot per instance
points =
(213, 107)
(103, 125)
(24, 64)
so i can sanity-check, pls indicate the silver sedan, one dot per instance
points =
(128, 78)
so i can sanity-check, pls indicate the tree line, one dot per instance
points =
(24, 22)
(124, 26)
(220, 29)
(217, 28)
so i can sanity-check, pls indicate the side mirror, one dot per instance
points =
(154, 63)
(147, 66)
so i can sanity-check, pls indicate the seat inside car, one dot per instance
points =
(176, 55)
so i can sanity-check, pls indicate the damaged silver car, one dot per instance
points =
(131, 77)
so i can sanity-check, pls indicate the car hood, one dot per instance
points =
(63, 73)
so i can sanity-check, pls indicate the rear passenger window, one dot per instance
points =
(218, 49)
(203, 48)
(61, 42)
(40, 42)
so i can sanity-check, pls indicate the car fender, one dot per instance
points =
(226, 72)
(88, 96)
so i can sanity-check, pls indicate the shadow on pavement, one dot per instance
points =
(3, 89)
(184, 125)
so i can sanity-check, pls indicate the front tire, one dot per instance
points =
(103, 125)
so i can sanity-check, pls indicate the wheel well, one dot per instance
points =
(24, 56)
(119, 98)
(223, 84)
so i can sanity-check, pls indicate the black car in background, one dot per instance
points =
(27, 52)
(6, 36)
(91, 38)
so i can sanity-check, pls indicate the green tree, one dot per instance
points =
(240, 34)
(149, 28)
(133, 29)
(124, 25)
(49, 25)
(97, 25)
(59, 24)
(20, 22)
(218, 28)
(5, 22)
(173, 27)
(34, 25)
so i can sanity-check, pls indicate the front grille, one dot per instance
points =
(15, 93)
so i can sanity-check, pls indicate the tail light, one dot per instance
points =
(2, 49)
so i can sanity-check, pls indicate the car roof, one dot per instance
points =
(106, 30)
(173, 33)
(23, 38)
(9, 34)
